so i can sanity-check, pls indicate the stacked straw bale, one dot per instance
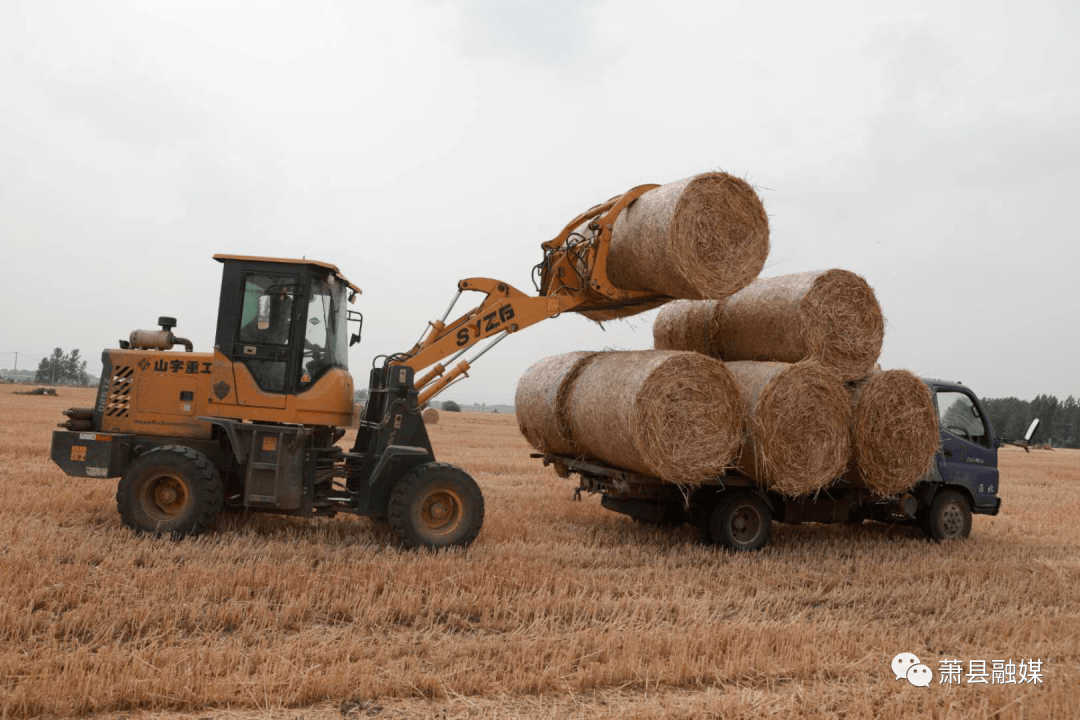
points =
(672, 415)
(831, 316)
(894, 432)
(798, 425)
(541, 400)
(705, 236)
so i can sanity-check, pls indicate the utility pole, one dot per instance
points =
(16, 362)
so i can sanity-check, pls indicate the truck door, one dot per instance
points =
(968, 456)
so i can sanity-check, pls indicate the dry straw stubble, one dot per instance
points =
(704, 236)
(894, 431)
(560, 609)
(672, 415)
(798, 419)
(831, 316)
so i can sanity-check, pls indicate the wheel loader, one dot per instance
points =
(254, 424)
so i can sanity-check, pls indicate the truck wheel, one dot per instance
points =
(170, 490)
(436, 505)
(949, 517)
(741, 521)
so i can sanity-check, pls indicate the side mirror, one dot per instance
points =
(354, 316)
(262, 317)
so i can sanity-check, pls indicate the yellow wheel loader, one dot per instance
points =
(254, 424)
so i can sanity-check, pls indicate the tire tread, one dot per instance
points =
(398, 512)
(206, 477)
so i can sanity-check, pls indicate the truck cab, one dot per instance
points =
(968, 459)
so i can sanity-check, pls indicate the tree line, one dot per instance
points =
(62, 368)
(1059, 421)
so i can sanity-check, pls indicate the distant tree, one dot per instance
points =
(1070, 422)
(1059, 422)
(361, 395)
(64, 369)
(451, 406)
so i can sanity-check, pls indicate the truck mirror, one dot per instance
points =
(262, 318)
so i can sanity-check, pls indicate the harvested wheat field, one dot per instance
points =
(560, 609)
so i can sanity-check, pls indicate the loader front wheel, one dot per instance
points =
(436, 505)
(170, 490)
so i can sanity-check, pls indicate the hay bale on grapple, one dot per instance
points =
(705, 236)
(831, 316)
(798, 425)
(671, 415)
(894, 432)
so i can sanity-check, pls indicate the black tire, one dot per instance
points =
(948, 517)
(436, 505)
(741, 521)
(171, 490)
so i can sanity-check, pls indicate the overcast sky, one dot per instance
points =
(932, 147)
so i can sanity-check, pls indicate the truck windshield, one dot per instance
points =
(325, 336)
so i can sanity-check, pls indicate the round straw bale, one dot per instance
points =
(540, 402)
(671, 415)
(704, 236)
(798, 425)
(689, 325)
(894, 431)
(831, 316)
(431, 416)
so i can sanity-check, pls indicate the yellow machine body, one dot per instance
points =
(150, 392)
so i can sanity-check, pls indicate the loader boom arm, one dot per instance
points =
(572, 277)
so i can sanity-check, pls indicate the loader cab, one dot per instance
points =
(285, 320)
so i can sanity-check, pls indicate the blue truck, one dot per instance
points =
(734, 512)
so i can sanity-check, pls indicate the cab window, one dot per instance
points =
(324, 330)
(267, 309)
(958, 415)
(266, 312)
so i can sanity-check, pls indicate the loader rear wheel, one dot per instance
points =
(741, 521)
(170, 490)
(436, 505)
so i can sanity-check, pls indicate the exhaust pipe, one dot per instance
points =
(162, 339)
(77, 425)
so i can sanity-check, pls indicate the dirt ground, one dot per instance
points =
(560, 609)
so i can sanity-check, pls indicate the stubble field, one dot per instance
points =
(561, 609)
